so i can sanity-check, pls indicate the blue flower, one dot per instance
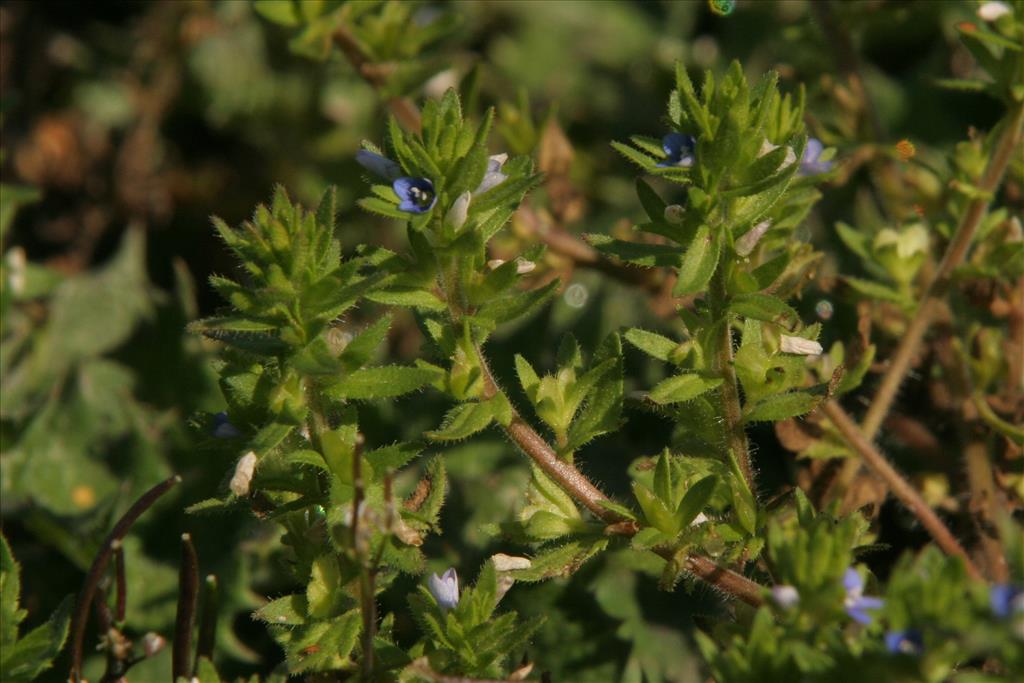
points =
(856, 602)
(908, 642)
(679, 149)
(222, 428)
(445, 589)
(416, 195)
(1006, 598)
(375, 163)
(811, 162)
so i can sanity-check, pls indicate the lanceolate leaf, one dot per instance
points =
(698, 264)
(381, 382)
(682, 387)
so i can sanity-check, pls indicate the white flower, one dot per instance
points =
(494, 176)
(749, 240)
(785, 596)
(244, 470)
(445, 588)
(674, 214)
(799, 346)
(991, 11)
(456, 216)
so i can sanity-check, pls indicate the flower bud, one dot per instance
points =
(456, 216)
(243, 474)
(785, 596)
(799, 346)
(749, 240)
(445, 589)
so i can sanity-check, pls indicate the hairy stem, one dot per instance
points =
(576, 484)
(899, 486)
(729, 392)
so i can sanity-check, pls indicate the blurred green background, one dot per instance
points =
(135, 122)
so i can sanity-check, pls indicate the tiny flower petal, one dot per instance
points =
(153, 643)
(674, 214)
(799, 346)
(1005, 599)
(416, 195)
(523, 266)
(375, 163)
(785, 596)
(222, 427)
(496, 263)
(852, 581)
(810, 163)
(456, 216)
(991, 11)
(493, 176)
(904, 642)
(244, 470)
(445, 589)
(679, 150)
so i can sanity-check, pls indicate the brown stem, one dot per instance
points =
(376, 75)
(985, 508)
(188, 593)
(899, 486)
(576, 484)
(207, 637)
(120, 585)
(99, 565)
(937, 288)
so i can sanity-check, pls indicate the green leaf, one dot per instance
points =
(516, 305)
(10, 587)
(639, 158)
(362, 348)
(13, 197)
(698, 264)
(649, 255)
(290, 610)
(682, 387)
(382, 382)
(464, 420)
(854, 376)
(875, 290)
(408, 297)
(651, 343)
(35, 652)
(695, 500)
(563, 560)
(653, 205)
(392, 457)
(762, 307)
(780, 407)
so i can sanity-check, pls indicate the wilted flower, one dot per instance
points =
(505, 563)
(990, 11)
(1005, 599)
(799, 346)
(679, 149)
(379, 165)
(222, 427)
(674, 213)
(811, 162)
(907, 642)
(244, 470)
(493, 176)
(416, 195)
(785, 596)
(456, 216)
(856, 602)
(749, 240)
(445, 589)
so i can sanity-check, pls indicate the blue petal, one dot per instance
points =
(222, 428)
(678, 149)
(852, 580)
(868, 602)
(1001, 598)
(809, 161)
(416, 195)
(379, 165)
(858, 615)
(904, 642)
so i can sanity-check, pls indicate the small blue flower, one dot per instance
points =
(493, 176)
(679, 150)
(375, 163)
(908, 642)
(1005, 599)
(811, 162)
(416, 195)
(222, 428)
(856, 602)
(445, 589)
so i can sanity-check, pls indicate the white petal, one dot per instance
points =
(991, 11)
(749, 240)
(456, 216)
(799, 346)
(504, 563)
(244, 470)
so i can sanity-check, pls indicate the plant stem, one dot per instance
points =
(99, 565)
(735, 434)
(955, 254)
(899, 486)
(188, 594)
(376, 75)
(576, 484)
(937, 288)
(985, 508)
